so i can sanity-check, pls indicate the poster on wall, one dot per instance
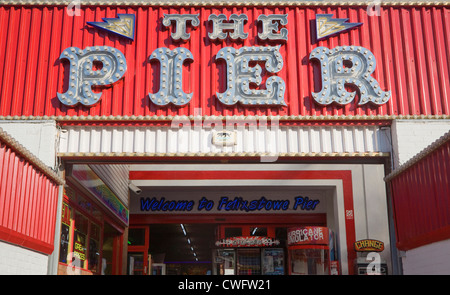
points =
(273, 261)
(65, 233)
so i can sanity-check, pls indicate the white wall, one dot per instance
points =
(38, 137)
(431, 259)
(409, 137)
(198, 140)
(15, 260)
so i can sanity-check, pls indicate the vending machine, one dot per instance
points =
(310, 250)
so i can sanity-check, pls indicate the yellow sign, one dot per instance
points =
(327, 26)
(369, 245)
(79, 251)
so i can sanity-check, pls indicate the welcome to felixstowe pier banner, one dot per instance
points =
(224, 204)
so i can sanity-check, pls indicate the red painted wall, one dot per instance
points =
(28, 203)
(411, 46)
(421, 200)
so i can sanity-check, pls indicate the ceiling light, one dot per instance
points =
(184, 230)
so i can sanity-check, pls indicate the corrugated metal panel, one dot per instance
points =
(411, 46)
(421, 196)
(222, 3)
(165, 140)
(115, 177)
(28, 201)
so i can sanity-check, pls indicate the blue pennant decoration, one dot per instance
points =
(327, 26)
(122, 25)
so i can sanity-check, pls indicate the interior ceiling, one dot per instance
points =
(168, 242)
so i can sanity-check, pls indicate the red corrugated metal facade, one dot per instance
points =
(421, 199)
(411, 46)
(28, 202)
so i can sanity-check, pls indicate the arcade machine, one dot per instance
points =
(311, 251)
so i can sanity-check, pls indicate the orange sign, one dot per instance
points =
(369, 245)
(308, 235)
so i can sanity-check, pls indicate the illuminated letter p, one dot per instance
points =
(82, 76)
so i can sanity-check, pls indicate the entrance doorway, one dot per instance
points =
(137, 258)
(112, 251)
(223, 247)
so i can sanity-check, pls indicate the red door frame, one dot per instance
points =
(344, 175)
(141, 248)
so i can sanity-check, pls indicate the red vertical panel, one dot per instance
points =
(17, 195)
(443, 56)
(435, 182)
(26, 63)
(409, 61)
(41, 31)
(389, 83)
(428, 200)
(32, 203)
(431, 60)
(212, 71)
(48, 213)
(25, 204)
(412, 210)
(292, 58)
(4, 22)
(18, 214)
(301, 41)
(39, 205)
(8, 69)
(54, 204)
(21, 63)
(141, 54)
(7, 183)
(48, 216)
(55, 73)
(3, 169)
(28, 202)
(11, 192)
(39, 223)
(419, 56)
(375, 43)
(421, 198)
(399, 210)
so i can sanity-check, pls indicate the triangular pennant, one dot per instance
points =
(122, 25)
(326, 26)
